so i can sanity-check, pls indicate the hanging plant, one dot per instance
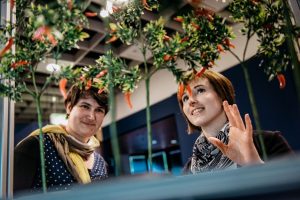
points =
(122, 76)
(267, 20)
(42, 30)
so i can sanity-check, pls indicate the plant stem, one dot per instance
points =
(254, 109)
(148, 75)
(113, 126)
(148, 119)
(37, 98)
(41, 141)
(251, 94)
(148, 112)
(291, 47)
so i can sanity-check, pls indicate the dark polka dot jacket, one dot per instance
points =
(27, 171)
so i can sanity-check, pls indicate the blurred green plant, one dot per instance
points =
(266, 19)
(43, 29)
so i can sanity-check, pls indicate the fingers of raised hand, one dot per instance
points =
(249, 128)
(220, 145)
(228, 111)
(237, 116)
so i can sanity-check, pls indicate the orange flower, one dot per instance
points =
(166, 38)
(51, 38)
(82, 78)
(90, 14)
(43, 31)
(228, 43)
(281, 80)
(188, 89)
(100, 91)
(7, 46)
(88, 84)
(112, 39)
(146, 6)
(102, 73)
(167, 57)
(127, 99)
(220, 48)
(184, 39)
(179, 19)
(196, 26)
(62, 87)
(201, 72)
(19, 63)
(208, 14)
(180, 90)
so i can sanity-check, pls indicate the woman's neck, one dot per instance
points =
(76, 136)
(212, 128)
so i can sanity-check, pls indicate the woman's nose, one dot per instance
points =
(192, 101)
(91, 115)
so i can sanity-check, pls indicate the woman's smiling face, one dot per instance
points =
(85, 118)
(203, 107)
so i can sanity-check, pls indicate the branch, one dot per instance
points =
(32, 69)
(249, 35)
(236, 56)
(45, 86)
(29, 91)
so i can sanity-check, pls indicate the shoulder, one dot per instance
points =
(275, 144)
(187, 167)
(99, 158)
(100, 166)
(28, 145)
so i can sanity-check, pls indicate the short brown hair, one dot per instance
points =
(221, 85)
(75, 93)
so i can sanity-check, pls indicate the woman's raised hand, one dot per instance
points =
(240, 147)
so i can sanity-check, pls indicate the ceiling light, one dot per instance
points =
(109, 6)
(53, 67)
(104, 13)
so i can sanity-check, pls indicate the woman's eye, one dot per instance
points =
(200, 90)
(85, 106)
(100, 110)
(185, 98)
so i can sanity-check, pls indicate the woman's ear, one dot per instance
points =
(68, 108)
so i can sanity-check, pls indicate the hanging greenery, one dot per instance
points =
(122, 76)
(266, 19)
(43, 29)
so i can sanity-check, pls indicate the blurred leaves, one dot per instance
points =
(42, 29)
(198, 45)
(266, 19)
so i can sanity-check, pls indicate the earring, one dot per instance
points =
(67, 115)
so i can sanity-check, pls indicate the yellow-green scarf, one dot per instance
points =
(71, 151)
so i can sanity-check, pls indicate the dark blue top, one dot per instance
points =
(57, 175)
